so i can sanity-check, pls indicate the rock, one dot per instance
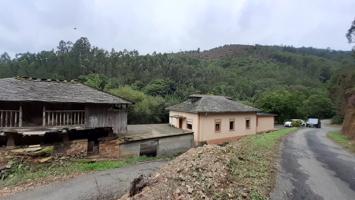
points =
(44, 160)
(137, 185)
(189, 189)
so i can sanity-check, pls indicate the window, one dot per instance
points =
(217, 126)
(247, 123)
(231, 124)
(189, 124)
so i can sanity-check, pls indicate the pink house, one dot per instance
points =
(218, 119)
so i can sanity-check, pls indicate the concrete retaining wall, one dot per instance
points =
(174, 145)
(129, 149)
(167, 146)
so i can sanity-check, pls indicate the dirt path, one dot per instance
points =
(314, 167)
(109, 184)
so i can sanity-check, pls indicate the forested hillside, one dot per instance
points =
(291, 82)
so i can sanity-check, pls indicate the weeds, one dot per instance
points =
(253, 164)
(22, 172)
(342, 140)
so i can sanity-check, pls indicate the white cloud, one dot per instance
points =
(165, 26)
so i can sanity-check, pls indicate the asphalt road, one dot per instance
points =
(314, 167)
(110, 184)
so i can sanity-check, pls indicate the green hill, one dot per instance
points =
(292, 82)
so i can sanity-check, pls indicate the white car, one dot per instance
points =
(288, 124)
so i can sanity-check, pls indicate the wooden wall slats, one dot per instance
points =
(10, 118)
(63, 117)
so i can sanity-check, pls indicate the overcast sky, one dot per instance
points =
(173, 25)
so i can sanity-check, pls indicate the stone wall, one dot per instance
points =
(109, 148)
(74, 148)
(349, 118)
(3, 156)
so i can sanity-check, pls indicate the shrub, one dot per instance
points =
(296, 123)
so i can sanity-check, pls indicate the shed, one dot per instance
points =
(28, 104)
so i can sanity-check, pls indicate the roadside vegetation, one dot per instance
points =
(239, 170)
(342, 140)
(254, 162)
(23, 172)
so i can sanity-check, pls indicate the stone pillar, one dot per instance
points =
(10, 140)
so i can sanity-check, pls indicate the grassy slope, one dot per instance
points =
(342, 140)
(254, 161)
(24, 173)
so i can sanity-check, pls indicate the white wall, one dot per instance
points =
(203, 124)
(208, 125)
(265, 123)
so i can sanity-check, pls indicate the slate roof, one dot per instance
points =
(211, 103)
(42, 90)
(266, 114)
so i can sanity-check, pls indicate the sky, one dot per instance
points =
(173, 25)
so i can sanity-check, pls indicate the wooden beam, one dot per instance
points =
(44, 116)
(20, 117)
(15, 122)
(1, 118)
(10, 118)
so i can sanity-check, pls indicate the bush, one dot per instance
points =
(296, 123)
(337, 119)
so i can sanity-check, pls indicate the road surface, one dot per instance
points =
(314, 167)
(106, 185)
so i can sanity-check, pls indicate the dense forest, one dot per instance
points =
(291, 82)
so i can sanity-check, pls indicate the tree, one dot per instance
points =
(343, 81)
(318, 106)
(351, 32)
(97, 81)
(146, 109)
(160, 87)
(281, 102)
(81, 52)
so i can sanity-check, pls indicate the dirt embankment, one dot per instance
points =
(349, 118)
(200, 173)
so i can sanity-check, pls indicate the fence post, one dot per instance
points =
(44, 116)
(20, 117)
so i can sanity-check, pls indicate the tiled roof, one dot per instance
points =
(211, 103)
(43, 90)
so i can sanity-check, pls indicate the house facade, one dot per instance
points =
(42, 105)
(218, 119)
(265, 122)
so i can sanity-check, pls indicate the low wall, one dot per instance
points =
(74, 148)
(265, 123)
(129, 149)
(175, 145)
(109, 148)
(166, 146)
